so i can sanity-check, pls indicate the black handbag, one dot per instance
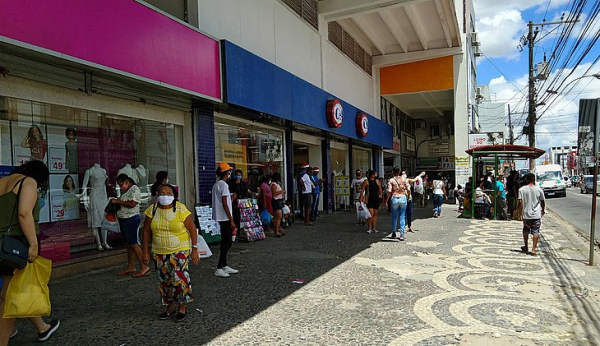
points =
(13, 250)
(112, 208)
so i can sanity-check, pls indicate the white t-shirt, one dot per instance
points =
(479, 196)
(532, 197)
(133, 194)
(357, 186)
(220, 190)
(419, 185)
(437, 187)
(307, 183)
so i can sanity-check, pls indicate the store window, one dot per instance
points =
(257, 151)
(84, 151)
(361, 159)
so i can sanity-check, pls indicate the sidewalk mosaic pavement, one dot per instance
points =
(453, 282)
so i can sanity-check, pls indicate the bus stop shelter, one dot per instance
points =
(492, 154)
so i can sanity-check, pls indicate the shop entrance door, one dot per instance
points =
(304, 153)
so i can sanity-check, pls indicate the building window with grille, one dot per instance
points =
(306, 9)
(346, 43)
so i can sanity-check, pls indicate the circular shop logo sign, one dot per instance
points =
(335, 113)
(362, 124)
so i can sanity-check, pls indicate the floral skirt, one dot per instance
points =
(174, 280)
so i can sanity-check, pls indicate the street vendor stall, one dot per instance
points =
(492, 154)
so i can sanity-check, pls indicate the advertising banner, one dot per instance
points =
(587, 131)
(487, 138)
(342, 185)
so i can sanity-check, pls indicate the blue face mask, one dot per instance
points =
(238, 177)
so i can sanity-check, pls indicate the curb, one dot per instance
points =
(578, 230)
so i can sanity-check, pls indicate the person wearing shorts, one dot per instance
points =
(533, 207)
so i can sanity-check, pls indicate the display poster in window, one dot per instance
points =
(64, 201)
(446, 162)
(5, 148)
(235, 154)
(342, 185)
(29, 142)
(62, 150)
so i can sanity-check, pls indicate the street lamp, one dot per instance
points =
(595, 75)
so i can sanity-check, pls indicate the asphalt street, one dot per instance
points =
(575, 208)
(453, 282)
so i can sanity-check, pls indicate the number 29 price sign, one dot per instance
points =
(57, 160)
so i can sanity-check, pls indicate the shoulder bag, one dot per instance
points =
(13, 250)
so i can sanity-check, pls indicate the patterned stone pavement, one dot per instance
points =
(454, 282)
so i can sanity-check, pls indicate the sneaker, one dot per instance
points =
(14, 332)
(375, 231)
(221, 273)
(230, 270)
(47, 334)
(369, 231)
(100, 248)
(393, 236)
(402, 238)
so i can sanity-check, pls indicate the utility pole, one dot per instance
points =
(532, 118)
(511, 137)
(531, 115)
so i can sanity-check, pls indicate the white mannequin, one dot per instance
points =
(127, 169)
(142, 173)
(96, 177)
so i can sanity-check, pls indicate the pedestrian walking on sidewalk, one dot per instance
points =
(278, 203)
(307, 186)
(19, 196)
(221, 212)
(439, 196)
(370, 191)
(356, 186)
(533, 207)
(397, 197)
(173, 233)
(419, 190)
(318, 183)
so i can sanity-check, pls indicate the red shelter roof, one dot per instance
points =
(506, 151)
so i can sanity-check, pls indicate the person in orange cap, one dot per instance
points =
(222, 213)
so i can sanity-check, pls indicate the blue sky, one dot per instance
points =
(501, 24)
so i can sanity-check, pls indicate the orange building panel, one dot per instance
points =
(427, 75)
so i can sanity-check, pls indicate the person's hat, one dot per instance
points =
(315, 169)
(224, 166)
(305, 165)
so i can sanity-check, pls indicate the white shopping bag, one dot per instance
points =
(362, 212)
(203, 249)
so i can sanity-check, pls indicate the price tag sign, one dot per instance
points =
(57, 160)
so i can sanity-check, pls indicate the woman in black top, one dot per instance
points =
(238, 190)
(370, 192)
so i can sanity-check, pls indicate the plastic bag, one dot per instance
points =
(203, 249)
(362, 212)
(285, 210)
(110, 223)
(266, 218)
(28, 294)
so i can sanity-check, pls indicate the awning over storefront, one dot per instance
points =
(254, 83)
(506, 151)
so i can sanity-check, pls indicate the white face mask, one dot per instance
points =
(166, 200)
(404, 176)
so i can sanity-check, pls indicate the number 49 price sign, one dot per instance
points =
(57, 160)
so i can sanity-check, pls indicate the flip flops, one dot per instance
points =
(140, 274)
(126, 272)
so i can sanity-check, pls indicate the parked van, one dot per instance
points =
(551, 180)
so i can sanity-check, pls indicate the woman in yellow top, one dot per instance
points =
(173, 235)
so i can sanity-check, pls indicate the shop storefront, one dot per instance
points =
(257, 150)
(315, 126)
(90, 114)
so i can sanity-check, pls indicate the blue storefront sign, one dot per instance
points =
(254, 83)
(5, 170)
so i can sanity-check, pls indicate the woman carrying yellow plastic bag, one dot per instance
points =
(28, 294)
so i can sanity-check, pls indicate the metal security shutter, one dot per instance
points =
(58, 72)
(335, 34)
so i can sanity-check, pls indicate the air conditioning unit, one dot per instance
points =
(477, 51)
(475, 40)
(420, 124)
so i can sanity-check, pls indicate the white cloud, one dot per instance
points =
(500, 24)
(559, 116)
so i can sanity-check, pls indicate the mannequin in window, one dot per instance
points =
(142, 173)
(130, 171)
(96, 178)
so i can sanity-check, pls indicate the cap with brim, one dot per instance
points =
(224, 166)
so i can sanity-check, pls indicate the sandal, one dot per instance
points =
(524, 249)
(165, 315)
(14, 332)
(533, 253)
(126, 272)
(140, 274)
